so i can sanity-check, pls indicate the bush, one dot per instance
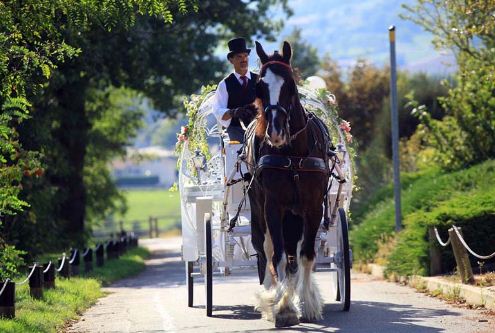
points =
(465, 198)
(10, 262)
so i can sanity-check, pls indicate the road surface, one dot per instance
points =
(156, 301)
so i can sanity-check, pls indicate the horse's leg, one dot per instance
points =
(268, 297)
(284, 310)
(307, 289)
(258, 229)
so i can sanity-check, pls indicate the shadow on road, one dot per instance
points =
(164, 269)
(364, 317)
(240, 312)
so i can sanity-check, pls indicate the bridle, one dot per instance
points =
(278, 107)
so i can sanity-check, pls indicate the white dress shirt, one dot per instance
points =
(222, 99)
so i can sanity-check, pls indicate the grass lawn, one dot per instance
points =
(70, 297)
(145, 203)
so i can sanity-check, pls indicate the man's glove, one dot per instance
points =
(245, 113)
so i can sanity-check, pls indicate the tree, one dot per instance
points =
(366, 90)
(305, 60)
(332, 74)
(118, 46)
(33, 43)
(467, 133)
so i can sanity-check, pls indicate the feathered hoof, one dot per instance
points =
(286, 318)
(265, 302)
(311, 312)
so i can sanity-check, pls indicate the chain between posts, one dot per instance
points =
(62, 263)
(469, 249)
(4, 286)
(439, 239)
(74, 255)
(463, 242)
(47, 267)
(29, 276)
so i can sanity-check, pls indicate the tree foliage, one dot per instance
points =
(61, 122)
(305, 60)
(467, 134)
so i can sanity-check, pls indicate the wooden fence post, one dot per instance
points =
(461, 257)
(65, 270)
(88, 260)
(36, 282)
(49, 276)
(7, 300)
(100, 255)
(75, 261)
(151, 226)
(157, 232)
(435, 253)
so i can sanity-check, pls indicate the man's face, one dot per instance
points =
(240, 62)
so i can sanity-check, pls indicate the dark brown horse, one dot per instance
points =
(287, 149)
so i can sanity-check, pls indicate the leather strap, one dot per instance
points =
(293, 163)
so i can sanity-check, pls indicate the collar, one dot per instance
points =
(238, 76)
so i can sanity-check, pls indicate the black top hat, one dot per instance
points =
(237, 45)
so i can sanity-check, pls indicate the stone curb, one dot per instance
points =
(477, 296)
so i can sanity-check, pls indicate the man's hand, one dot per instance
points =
(245, 113)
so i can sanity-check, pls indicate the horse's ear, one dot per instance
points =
(261, 53)
(287, 52)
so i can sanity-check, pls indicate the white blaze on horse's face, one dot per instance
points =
(275, 83)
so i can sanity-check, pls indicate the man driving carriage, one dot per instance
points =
(236, 92)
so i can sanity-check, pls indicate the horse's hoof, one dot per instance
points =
(286, 318)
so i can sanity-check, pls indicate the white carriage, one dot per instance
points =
(212, 188)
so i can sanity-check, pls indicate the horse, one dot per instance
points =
(286, 150)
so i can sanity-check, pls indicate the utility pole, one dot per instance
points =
(395, 128)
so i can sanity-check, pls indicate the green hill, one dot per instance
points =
(465, 198)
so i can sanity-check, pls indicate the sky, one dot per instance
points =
(353, 29)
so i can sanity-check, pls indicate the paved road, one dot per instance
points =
(156, 301)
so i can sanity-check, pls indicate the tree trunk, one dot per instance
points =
(73, 138)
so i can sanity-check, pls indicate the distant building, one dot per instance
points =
(151, 166)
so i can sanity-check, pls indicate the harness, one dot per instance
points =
(293, 164)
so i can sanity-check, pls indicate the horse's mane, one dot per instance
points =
(260, 119)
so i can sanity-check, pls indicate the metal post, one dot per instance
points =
(395, 128)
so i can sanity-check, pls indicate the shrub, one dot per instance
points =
(10, 262)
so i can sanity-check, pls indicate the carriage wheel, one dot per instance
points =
(344, 267)
(190, 283)
(209, 265)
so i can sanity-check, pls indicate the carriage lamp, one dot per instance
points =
(341, 151)
(199, 162)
